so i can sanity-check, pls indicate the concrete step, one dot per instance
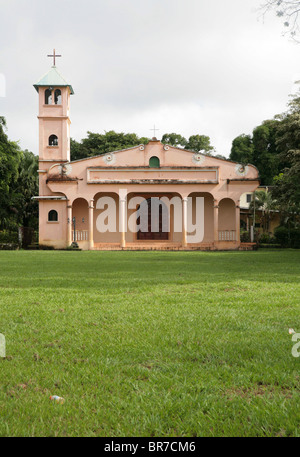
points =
(248, 246)
(165, 246)
(158, 246)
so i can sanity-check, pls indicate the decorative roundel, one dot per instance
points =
(109, 158)
(65, 169)
(166, 147)
(198, 158)
(241, 170)
(142, 147)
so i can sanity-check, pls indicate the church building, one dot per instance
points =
(74, 195)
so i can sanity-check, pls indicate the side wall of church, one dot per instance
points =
(53, 233)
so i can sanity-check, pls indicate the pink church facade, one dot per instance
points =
(74, 195)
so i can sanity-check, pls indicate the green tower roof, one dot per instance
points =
(53, 79)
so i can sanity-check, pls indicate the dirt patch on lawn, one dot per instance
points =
(257, 391)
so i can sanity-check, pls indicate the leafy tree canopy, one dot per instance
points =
(288, 134)
(287, 182)
(23, 189)
(96, 143)
(286, 190)
(173, 139)
(259, 149)
(10, 156)
(18, 184)
(242, 149)
(199, 143)
(263, 201)
(265, 151)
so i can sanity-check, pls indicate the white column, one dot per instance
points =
(216, 221)
(69, 225)
(184, 221)
(91, 224)
(237, 221)
(122, 224)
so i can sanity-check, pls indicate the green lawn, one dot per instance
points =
(149, 343)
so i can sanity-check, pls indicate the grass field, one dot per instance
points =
(149, 343)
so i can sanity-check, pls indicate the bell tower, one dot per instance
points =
(54, 121)
(54, 147)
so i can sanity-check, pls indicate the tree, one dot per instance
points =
(199, 143)
(76, 149)
(173, 139)
(220, 156)
(288, 11)
(288, 132)
(264, 202)
(287, 182)
(23, 189)
(286, 190)
(18, 184)
(242, 150)
(96, 143)
(265, 152)
(10, 155)
(260, 149)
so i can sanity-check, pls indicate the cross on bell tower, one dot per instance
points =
(54, 55)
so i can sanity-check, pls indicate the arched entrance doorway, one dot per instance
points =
(153, 217)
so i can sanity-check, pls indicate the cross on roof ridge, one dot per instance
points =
(154, 129)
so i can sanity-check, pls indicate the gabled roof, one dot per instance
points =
(53, 78)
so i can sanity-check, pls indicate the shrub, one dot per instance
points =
(282, 236)
(295, 238)
(288, 238)
(245, 236)
(8, 246)
(265, 238)
(73, 247)
(270, 246)
(9, 237)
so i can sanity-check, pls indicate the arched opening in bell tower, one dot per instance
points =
(53, 140)
(57, 97)
(48, 97)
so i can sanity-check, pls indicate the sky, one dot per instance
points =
(208, 67)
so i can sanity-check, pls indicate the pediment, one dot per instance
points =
(175, 164)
